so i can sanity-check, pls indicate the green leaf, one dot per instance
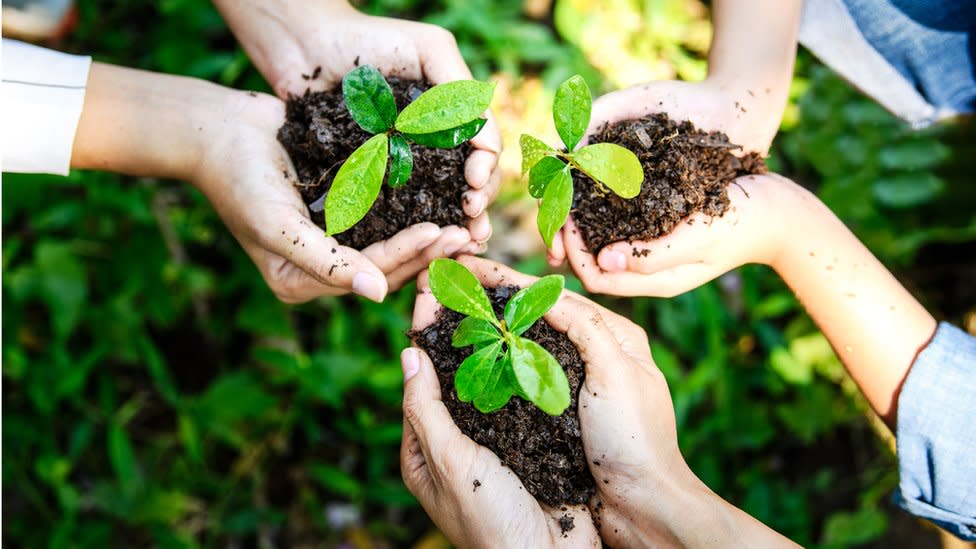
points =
(369, 99)
(476, 371)
(499, 389)
(533, 150)
(449, 138)
(357, 185)
(571, 110)
(401, 161)
(542, 173)
(473, 330)
(907, 190)
(446, 106)
(612, 165)
(457, 289)
(540, 377)
(555, 205)
(123, 458)
(529, 304)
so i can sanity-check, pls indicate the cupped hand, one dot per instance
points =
(711, 105)
(440, 464)
(248, 177)
(312, 45)
(698, 250)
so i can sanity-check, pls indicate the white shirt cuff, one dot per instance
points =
(41, 98)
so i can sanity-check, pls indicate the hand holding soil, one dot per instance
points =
(312, 45)
(474, 499)
(698, 250)
(247, 176)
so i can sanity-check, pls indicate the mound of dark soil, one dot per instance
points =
(545, 452)
(319, 134)
(685, 171)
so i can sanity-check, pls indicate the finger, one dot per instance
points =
(556, 255)
(626, 104)
(480, 228)
(478, 200)
(324, 260)
(402, 247)
(422, 405)
(425, 306)
(492, 274)
(451, 241)
(595, 279)
(479, 167)
(413, 465)
(683, 245)
(489, 138)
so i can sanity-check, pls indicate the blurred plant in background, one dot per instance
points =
(155, 392)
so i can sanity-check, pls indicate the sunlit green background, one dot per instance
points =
(156, 394)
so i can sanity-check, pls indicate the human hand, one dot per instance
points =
(439, 463)
(313, 44)
(699, 249)
(711, 105)
(248, 177)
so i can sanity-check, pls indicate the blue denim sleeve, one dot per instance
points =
(937, 434)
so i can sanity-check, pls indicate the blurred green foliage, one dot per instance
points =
(156, 394)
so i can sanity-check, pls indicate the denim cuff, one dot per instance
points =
(937, 434)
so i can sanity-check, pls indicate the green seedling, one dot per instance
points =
(549, 169)
(503, 363)
(442, 117)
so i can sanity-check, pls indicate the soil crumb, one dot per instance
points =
(686, 170)
(545, 452)
(319, 134)
(566, 523)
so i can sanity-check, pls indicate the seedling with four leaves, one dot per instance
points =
(503, 363)
(607, 164)
(442, 117)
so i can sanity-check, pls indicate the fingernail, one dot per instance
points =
(367, 286)
(612, 260)
(410, 362)
(423, 243)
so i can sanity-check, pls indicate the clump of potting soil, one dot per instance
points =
(546, 452)
(686, 170)
(319, 134)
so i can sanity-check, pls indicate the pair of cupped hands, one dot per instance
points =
(250, 179)
(644, 488)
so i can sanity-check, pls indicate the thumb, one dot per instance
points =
(684, 245)
(327, 262)
(422, 405)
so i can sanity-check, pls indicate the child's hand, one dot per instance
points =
(247, 176)
(325, 40)
(699, 249)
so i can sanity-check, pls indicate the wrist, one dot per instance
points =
(141, 123)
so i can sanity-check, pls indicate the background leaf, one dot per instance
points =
(369, 99)
(540, 377)
(908, 190)
(533, 150)
(356, 185)
(401, 161)
(571, 110)
(555, 205)
(614, 166)
(446, 106)
(473, 330)
(542, 173)
(529, 304)
(457, 289)
(475, 372)
(450, 138)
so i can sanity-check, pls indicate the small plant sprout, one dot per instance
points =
(503, 363)
(442, 117)
(607, 164)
